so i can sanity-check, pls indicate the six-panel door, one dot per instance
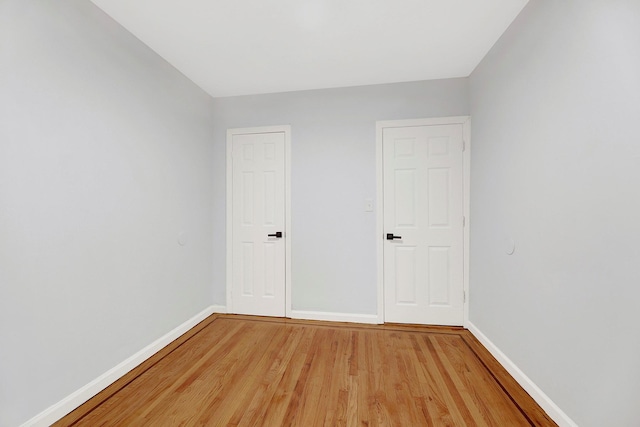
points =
(258, 281)
(423, 206)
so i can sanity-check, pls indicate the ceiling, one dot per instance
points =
(240, 47)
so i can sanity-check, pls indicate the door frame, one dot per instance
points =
(465, 121)
(286, 129)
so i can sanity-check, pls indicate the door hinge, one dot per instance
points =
(464, 145)
(464, 221)
(464, 296)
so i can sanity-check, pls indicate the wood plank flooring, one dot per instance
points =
(253, 371)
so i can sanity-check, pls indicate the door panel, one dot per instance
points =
(258, 209)
(406, 283)
(423, 204)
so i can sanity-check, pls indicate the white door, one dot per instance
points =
(423, 224)
(258, 237)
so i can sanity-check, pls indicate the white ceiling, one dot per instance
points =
(239, 47)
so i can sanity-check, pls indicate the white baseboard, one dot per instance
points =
(77, 398)
(334, 317)
(222, 309)
(530, 387)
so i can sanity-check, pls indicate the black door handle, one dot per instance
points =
(390, 236)
(278, 234)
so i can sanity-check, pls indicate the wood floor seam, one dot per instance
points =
(498, 382)
(245, 371)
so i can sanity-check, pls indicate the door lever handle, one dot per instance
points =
(278, 234)
(390, 236)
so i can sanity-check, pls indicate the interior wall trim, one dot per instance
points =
(525, 382)
(334, 317)
(78, 397)
(221, 309)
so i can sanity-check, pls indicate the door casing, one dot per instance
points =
(286, 129)
(465, 121)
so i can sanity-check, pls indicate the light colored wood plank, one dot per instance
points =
(249, 371)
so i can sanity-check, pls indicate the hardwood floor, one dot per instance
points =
(250, 371)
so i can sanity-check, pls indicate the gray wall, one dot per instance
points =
(333, 171)
(105, 156)
(556, 166)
